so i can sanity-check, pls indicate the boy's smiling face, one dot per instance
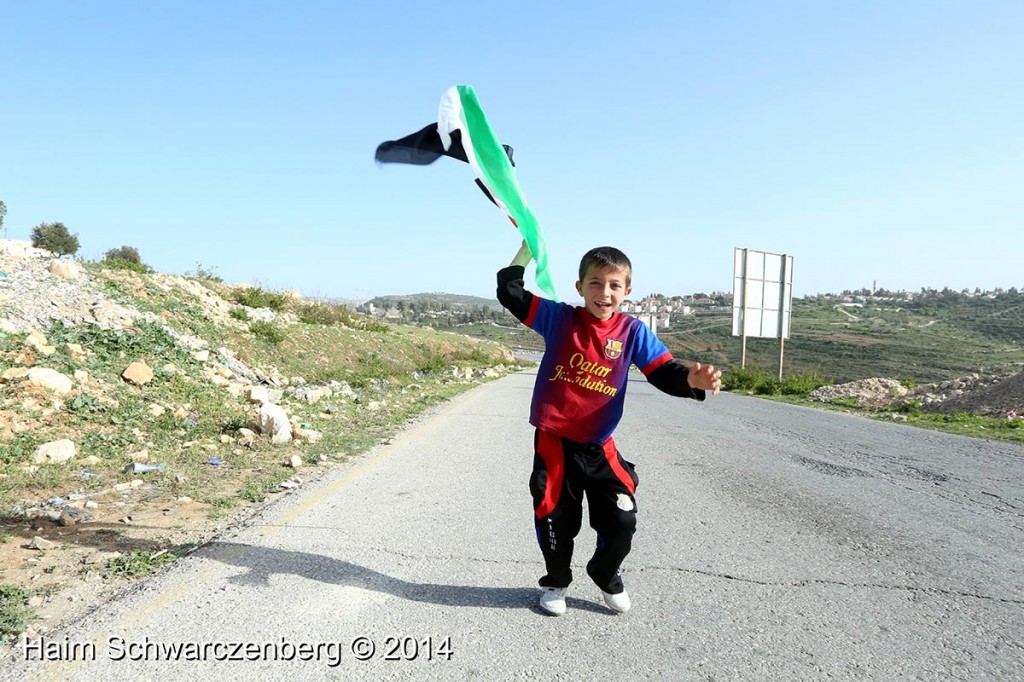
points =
(603, 290)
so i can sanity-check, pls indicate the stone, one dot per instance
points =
(76, 352)
(305, 434)
(169, 369)
(12, 373)
(68, 269)
(312, 395)
(81, 376)
(41, 543)
(202, 355)
(50, 379)
(295, 461)
(156, 409)
(140, 456)
(257, 394)
(138, 373)
(274, 422)
(39, 343)
(91, 460)
(246, 437)
(111, 316)
(54, 452)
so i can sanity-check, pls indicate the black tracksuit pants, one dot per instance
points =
(563, 472)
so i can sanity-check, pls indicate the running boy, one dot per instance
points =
(577, 403)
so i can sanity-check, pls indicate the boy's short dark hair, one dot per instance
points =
(606, 257)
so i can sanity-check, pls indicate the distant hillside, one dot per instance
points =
(934, 337)
(436, 301)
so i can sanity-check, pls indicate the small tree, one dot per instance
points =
(55, 238)
(128, 254)
(3, 212)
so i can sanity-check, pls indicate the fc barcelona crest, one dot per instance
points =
(612, 349)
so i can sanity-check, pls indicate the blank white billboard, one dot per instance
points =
(762, 294)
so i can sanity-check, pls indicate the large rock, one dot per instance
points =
(50, 379)
(138, 373)
(274, 422)
(54, 452)
(67, 269)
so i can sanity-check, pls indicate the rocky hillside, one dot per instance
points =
(142, 412)
(990, 396)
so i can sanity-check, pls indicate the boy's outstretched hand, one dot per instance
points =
(705, 377)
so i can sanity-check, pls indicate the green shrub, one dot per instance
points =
(140, 562)
(254, 297)
(769, 386)
(802, 384)
(14, 613)
(760, 382)
(315, 312)
(239, 314)
(118, 264)
(20, 449)
(742, 378)
(124, 253)
(265, 331)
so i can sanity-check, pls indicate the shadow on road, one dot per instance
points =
(263, 562)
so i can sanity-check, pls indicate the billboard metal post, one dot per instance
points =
(783, 332)
(743, 308)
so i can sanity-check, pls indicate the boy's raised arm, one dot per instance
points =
(523, 256)
(512, 291)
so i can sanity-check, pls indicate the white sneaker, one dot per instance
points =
(552, 600)
(617, 602)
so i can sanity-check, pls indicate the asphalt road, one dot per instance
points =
(774, 543)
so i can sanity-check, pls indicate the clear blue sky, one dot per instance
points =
(872, 140)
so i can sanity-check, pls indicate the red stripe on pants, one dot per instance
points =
(611, 454)
(549, 447)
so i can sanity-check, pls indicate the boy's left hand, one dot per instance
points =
(705, 377)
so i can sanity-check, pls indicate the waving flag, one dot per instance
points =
(462, 133)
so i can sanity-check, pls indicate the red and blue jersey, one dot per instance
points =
(581, 383)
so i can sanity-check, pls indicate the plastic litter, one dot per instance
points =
(139, 468)
(56, 501)
(214, 460)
